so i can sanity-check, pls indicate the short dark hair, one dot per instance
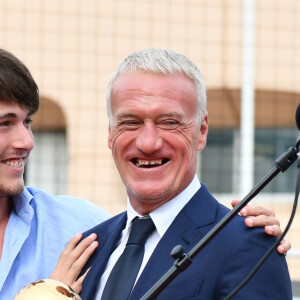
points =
(17, 85)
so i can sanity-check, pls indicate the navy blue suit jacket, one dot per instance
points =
(216, 270)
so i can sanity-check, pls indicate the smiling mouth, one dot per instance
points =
(142, 163)
(15, 163)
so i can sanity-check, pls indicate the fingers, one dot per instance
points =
(284, 247)
(83, 250)
(69, 248)
(262, 221)
(73, 242)
(71, 245)
(73, 250)
(82, 253)
(275, 230)
(73, 258)
(235, 202)
(255, 210)
(77, 285)
(257, 216)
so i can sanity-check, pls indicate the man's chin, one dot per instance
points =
(150, 195)
(14, 190)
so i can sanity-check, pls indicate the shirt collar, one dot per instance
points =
(22, 205)
(170, 208)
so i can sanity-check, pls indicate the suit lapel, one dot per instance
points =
(188, 228)
(107, 242)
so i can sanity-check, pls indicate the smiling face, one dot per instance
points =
(16, 142)
(154, 137)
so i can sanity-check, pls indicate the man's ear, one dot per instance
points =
(109, 141)
(203, 133)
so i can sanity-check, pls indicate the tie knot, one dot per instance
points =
(140, 230)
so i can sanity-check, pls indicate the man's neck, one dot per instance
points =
(5, 210)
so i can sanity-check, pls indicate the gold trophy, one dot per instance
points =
(47, 289)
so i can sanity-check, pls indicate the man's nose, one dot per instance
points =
(23, 138)
(149, 139)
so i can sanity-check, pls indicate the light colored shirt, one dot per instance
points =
(38, 230)
(170, 209)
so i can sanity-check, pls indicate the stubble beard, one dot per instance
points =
(11, 190)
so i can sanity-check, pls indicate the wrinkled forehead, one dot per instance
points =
(146, 91)
(175, 84)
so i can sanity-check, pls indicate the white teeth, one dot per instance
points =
(148, 162)
(15, 163)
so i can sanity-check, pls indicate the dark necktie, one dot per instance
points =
(123, 275)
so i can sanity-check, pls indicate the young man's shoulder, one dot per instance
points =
(77, 207)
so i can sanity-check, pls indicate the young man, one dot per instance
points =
(157, 124)
(34, 226)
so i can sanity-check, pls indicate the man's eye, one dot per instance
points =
(130, 124)
(168, 124)
(4, 124)
(28, 122)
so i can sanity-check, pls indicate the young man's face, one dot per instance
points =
(16, 142)
(154, 136)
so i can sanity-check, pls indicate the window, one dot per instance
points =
(219, 161)
(47, 165)
(269, 145)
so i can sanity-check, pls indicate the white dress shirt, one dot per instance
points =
(158, 216)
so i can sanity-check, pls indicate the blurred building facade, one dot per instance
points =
(72, 47)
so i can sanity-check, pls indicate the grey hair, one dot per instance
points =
(162, 61)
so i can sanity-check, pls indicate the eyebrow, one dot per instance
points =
(8, 115)
(124, 116)
(12, 116)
